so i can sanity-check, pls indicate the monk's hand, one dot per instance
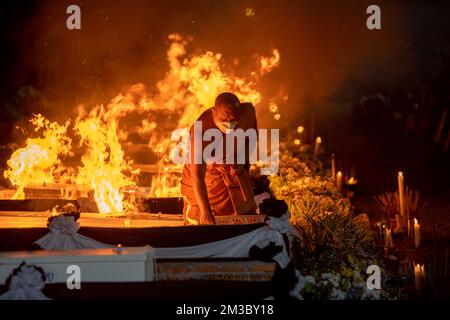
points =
(207, 218)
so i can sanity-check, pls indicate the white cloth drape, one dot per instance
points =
(63, 236)
(239, 246)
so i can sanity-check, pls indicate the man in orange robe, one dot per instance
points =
(212, 188)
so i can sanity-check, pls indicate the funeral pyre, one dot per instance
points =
(89, 151)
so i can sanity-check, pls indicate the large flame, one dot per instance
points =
(188, 88)
(104, 166)
(39, 161)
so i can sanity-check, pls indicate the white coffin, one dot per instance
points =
(134, 264)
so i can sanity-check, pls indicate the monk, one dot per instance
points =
(213, 188)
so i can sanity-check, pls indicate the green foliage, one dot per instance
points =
(331, 249)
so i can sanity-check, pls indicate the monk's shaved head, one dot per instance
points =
(227, 106)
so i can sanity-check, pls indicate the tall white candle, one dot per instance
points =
(416, 233)
(317, 146)
(401, 193)
(339, 181)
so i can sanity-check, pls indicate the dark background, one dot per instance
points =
(326, 49)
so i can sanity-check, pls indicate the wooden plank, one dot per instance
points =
(7, 194)
(164, 205)
(156, 168)
(12, 220)
(15, 219)
(34, 204)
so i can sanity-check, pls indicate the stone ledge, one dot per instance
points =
(215, 270)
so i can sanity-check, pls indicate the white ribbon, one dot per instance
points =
(63, 236)
(25, 285)
(283, 225)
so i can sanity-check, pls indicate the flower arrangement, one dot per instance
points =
(332, 252)
(388, 203)
(25, 283)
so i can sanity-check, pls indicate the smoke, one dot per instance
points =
(322, 46)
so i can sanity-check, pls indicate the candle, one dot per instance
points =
(388, 241)
(416, 233)
(300, 130)
(339, 181)
(333, 167)
(297, 142)
(419, 275)
(317, 147)
(401, 193)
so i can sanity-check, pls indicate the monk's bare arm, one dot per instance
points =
(198, 172)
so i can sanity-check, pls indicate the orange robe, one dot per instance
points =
(229, 187)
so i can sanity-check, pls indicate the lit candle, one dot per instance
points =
(339, 181)
(416, 233)
(300, 130)
(388, 241)
(419, 275)
(401, 193)
(317, 147)
(297, 142)
(333, 166)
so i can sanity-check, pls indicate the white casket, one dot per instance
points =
(121, 264)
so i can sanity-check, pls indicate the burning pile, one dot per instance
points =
(188, 88)
(39, 161)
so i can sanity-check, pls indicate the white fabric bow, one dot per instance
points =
(63, 236)
(283, 225)
(25, 285)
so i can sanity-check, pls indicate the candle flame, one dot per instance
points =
(318, 140)
(352, 180)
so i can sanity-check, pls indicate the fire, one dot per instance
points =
(104, 166)
(191, 85)
(38, 161)
(188, 88)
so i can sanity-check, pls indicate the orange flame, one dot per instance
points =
(38, 161)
